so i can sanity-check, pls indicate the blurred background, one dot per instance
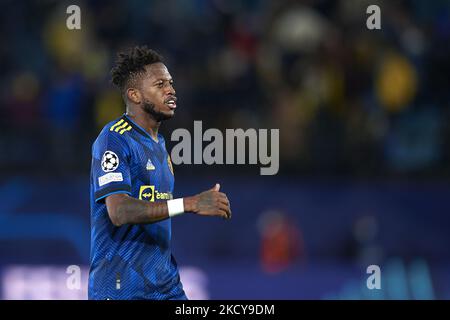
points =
(364, 142)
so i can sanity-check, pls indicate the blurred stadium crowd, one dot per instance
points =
(347, 100)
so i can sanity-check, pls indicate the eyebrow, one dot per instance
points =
(163, 80)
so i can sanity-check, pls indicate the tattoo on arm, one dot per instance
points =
(133, 211)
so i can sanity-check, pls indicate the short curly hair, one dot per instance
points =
(130, 65)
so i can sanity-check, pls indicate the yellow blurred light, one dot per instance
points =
(396, 83)
(108, 107)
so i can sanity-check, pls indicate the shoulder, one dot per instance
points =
(113, 134)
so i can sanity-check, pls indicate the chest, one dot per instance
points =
(151, 165)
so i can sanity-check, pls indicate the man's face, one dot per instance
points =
(158, 93)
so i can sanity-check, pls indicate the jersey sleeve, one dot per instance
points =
(110, 166)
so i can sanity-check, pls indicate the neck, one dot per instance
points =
(145, 120)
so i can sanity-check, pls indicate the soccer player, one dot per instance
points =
(131, 189)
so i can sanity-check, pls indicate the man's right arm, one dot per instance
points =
(123, 209)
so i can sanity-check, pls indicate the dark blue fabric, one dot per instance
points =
(131, 261)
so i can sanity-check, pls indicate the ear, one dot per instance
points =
(134, 95)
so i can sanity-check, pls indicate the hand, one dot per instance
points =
(209, 203)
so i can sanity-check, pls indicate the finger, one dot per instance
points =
(225, 208)
(228, 213)
(224, 201)
(223, 214)
(215, 188)
(222, 196)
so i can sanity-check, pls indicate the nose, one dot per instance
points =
(171, 90)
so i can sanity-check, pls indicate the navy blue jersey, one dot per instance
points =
(131, 261)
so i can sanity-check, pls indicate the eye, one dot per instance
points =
(160, 84)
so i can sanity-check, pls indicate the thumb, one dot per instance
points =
(216, 187)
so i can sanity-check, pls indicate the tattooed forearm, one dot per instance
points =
(128, 210)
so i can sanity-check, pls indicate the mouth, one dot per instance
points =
(171, 102)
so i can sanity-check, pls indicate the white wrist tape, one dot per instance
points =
(175, 206)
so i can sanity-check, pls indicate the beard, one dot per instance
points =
(150, 109)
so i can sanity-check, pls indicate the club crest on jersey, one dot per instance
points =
(150, 165)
